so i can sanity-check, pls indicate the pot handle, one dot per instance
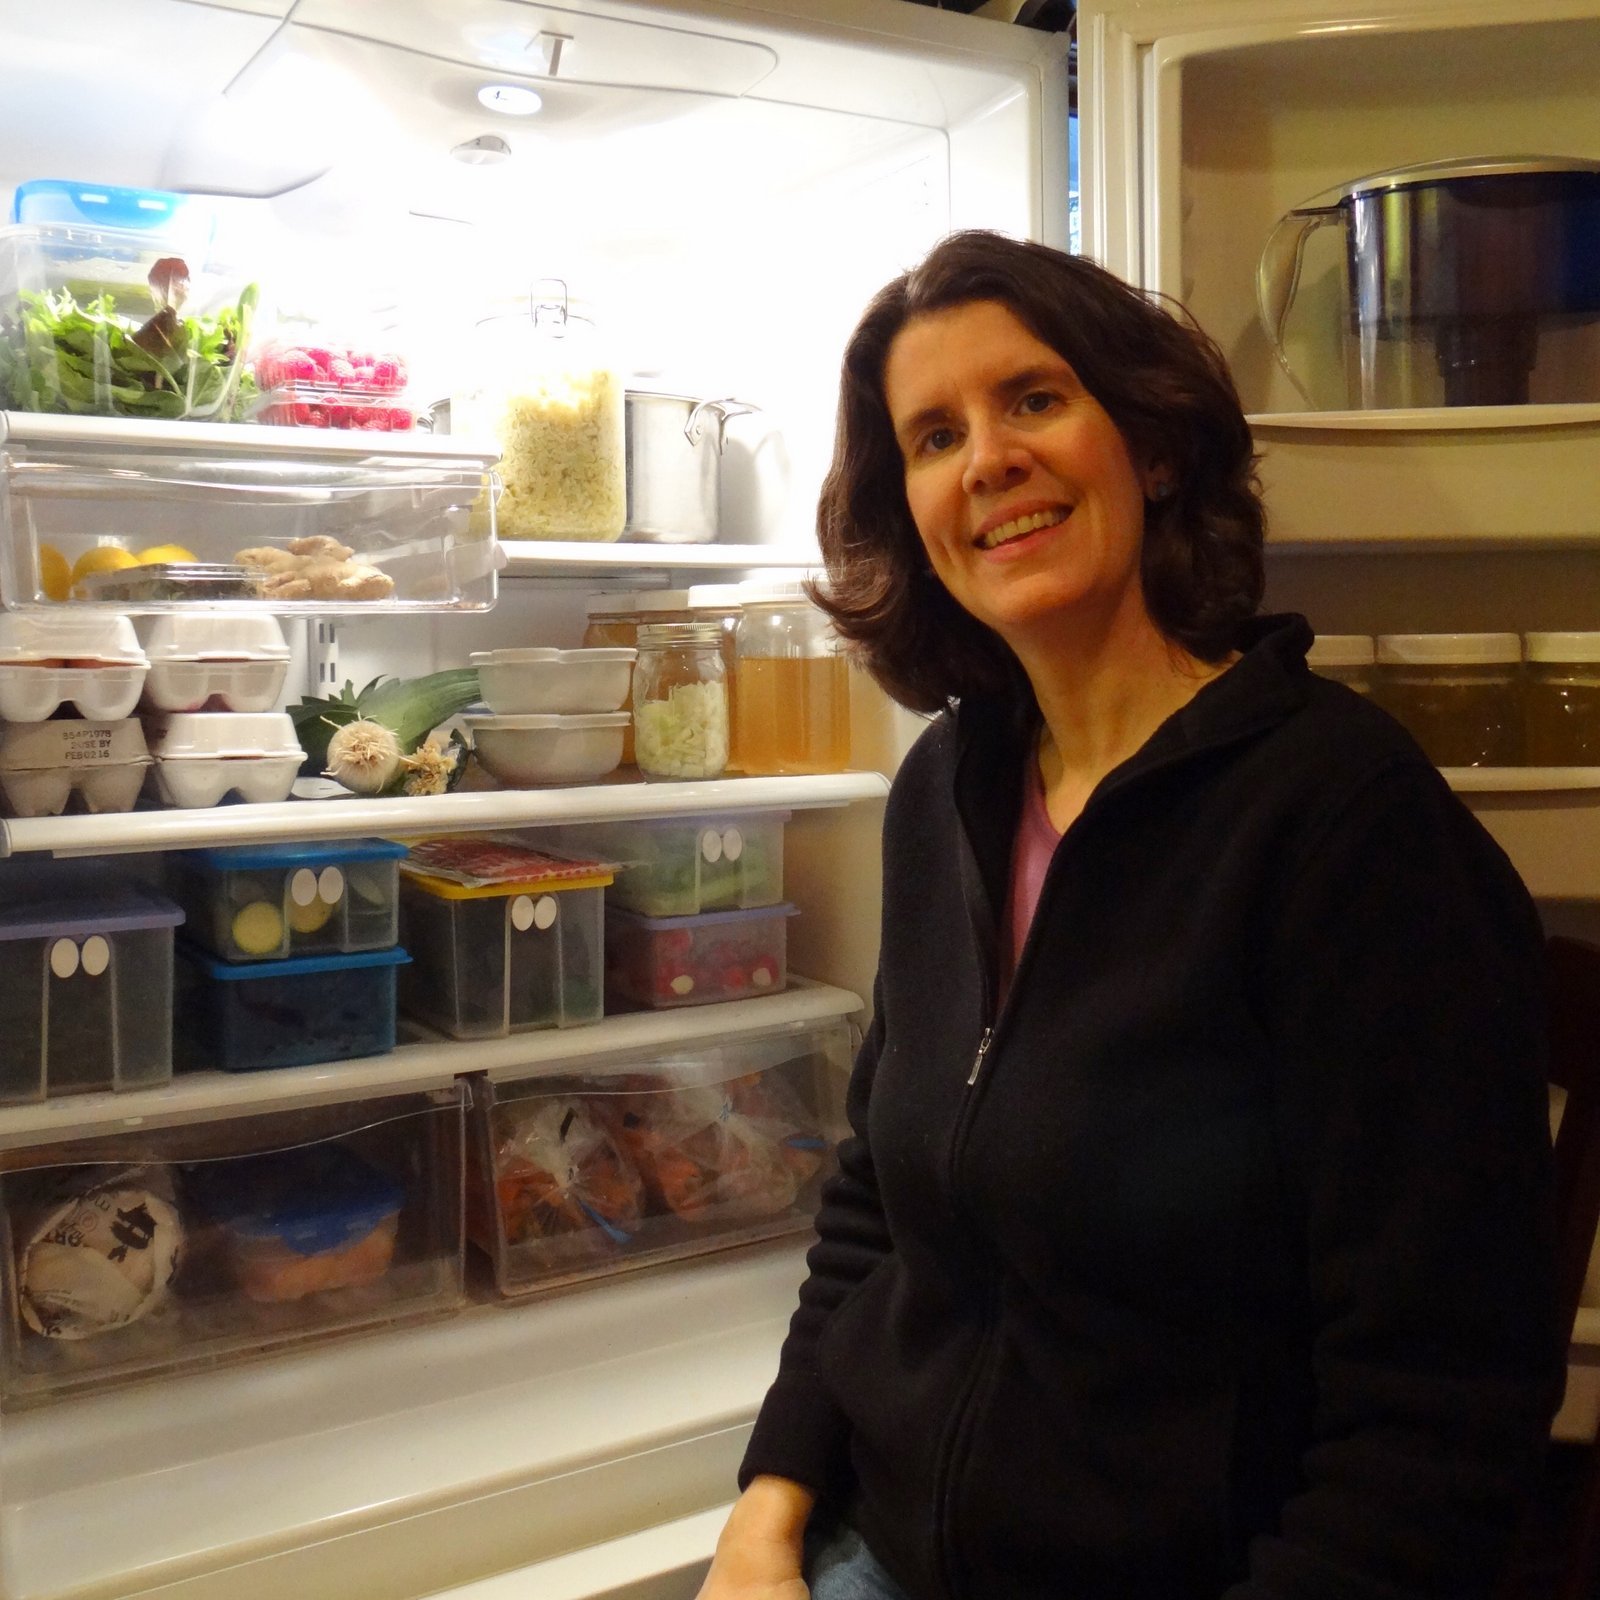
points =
(721, 410)
(1278, 277)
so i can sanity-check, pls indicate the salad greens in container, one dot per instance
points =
(100, 323)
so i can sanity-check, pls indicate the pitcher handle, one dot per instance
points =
(1278, 278)
(721, 410)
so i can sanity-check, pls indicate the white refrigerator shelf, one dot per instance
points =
(402, 816)
(426, 1063)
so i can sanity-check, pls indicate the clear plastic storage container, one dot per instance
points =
(282, 520)
(1347, 658)
(1457, 694)
(681, 866)
(219, 663)
(249, 1016)
(516, 946)
(1561, 700)
(792, 686)
(45, 765)
(110, 323)
(171, 1249)
(548, 390)
(85, 995)
(309, 379)
(268, 902)
(652, 1156)
(691, 961)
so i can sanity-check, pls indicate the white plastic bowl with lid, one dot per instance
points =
(525, 751)
(547, 681)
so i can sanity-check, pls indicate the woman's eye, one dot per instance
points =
(1039, 400)
(937, 439)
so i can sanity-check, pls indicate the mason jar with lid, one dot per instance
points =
(721, 603)
(545, 387)
(680, 701)
(1347, 658)
(1457, 694)
(1561, 700)
(792, 686)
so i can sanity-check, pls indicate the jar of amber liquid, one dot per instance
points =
(791, 684)
(1561, 700)
(611, 621)
(1347, 658)
(1457, 694)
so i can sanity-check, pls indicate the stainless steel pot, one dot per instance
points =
(674, 456)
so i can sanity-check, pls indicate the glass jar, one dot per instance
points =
(1456, 694)
(547, 391)
(680, 701)
(1346, 658)
(791, 683)
(611, 622)
(721, 604)
(1561, 700)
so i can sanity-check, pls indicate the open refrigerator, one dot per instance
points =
(728, 183)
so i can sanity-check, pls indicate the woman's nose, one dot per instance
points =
(995, 460)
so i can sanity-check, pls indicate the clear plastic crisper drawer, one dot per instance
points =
(126, 515)
(647, 1157)
(170, 1249)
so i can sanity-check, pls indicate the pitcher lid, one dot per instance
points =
(1452, 168)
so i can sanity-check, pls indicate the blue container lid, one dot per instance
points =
(311, 1199)
(78, 917)
(295, 966)
(268, 857)
(107, 204)
(702, 919)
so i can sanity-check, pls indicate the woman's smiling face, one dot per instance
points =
(1022, 488)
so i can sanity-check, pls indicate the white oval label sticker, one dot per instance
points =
(330, 886)
(96, 955)
(544, 913)
(522, 913)
(732, 844)
(711, 845)
(63, 958)
(303, 887)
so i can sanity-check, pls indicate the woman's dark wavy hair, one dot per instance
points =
(1164, 384)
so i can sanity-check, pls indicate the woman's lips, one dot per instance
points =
(1032, 522)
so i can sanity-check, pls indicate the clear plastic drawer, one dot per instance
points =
(170, 1249)
(650, 1156)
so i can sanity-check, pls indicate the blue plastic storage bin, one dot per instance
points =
(243, 1017)
(268, 902)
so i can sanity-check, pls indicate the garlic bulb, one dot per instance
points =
(364, 756)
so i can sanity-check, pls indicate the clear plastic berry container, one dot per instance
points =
(689, 961)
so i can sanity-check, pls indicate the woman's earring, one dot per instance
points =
(1160, 490)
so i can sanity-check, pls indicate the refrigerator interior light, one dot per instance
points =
(509, 99)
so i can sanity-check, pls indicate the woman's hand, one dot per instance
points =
(759, 1551)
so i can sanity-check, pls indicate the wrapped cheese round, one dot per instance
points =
(99, 1260)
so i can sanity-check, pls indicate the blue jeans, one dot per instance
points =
(840, 1567)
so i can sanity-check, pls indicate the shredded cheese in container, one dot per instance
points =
(684, 735)
(561, 469)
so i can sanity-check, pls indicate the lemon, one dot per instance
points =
(164, 554)
(55, 573)
(258, 929)
(102, 558)
(308, 919)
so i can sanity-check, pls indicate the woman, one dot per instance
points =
(1195, 1239)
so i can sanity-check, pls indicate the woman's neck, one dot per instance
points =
(1101, 701)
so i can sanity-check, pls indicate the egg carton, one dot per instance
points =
(44, 764)
(32, 692)
(202, 757)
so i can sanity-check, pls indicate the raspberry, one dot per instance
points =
(297, 367)
(341, 416)
(299, 414)
(400, 419)
(321, 359)
(317, 416)
(385, 374)
(341, 372)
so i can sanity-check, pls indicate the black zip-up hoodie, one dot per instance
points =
(1220, 1262)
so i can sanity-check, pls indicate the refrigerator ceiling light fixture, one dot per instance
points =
(510, 99)
(487, 150)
